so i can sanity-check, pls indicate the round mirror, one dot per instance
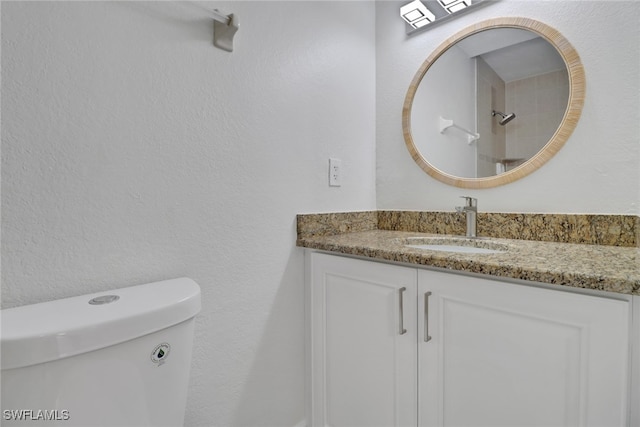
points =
(493, 103)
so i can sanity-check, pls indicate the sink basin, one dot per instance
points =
(455, 244)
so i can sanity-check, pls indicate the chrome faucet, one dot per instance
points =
(470, 208)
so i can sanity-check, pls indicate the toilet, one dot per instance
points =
(115, 358)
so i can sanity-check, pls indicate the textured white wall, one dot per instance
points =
(598, 169)
(133, 150)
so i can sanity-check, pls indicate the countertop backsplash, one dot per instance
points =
(608, 230)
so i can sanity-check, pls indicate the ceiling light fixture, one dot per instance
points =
(452, 6)
(417, 14)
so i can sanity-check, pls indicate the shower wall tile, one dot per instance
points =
(539, 103)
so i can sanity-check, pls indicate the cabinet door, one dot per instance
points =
(513, 355)
(363, 345)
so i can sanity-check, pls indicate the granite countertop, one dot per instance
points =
(599, 267)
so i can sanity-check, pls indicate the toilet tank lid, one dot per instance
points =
(52, 330)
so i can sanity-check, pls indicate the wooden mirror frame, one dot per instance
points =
(577, 87)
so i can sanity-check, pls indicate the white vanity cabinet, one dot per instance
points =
(507, 355)
(363, 347)
(480, 352)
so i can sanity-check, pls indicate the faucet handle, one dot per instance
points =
(470, 202)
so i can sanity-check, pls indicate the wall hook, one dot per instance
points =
(224, 28)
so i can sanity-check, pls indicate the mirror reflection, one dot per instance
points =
(489, 103)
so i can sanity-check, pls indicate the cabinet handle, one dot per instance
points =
(427, 337)
(401, 330)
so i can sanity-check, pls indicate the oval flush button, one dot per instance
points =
(104, 299)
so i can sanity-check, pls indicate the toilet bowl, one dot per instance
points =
(116, 358)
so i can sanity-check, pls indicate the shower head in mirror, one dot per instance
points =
(506, 118)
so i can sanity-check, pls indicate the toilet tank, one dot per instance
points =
(115, 358)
